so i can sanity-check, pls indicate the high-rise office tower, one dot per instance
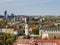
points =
(5, 14)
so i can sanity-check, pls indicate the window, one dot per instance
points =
(47, 43)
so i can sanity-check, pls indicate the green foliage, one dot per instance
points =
(3, 23)
(38, 37)
(36, 31)
(10, 41)
(6, 39)
(1, 42)
(15, 37)
(26, 37)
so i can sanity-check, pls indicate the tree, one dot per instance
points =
(10, 41)
(3, 24)
(15, 37)
(35, 31)
(7, 39)
(26, 37)
(1, 42)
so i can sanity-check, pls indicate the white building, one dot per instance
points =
(49, 32)
(26, 27)
(8, 30)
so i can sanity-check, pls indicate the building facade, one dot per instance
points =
(49, 32)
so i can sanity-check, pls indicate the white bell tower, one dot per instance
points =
(26, 27)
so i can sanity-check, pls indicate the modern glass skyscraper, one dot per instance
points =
(5, 14)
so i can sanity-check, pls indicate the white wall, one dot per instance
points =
(44, 35)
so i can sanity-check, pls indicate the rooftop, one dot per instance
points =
(24, 42)
(50, 28)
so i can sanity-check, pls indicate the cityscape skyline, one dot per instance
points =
(30, 7)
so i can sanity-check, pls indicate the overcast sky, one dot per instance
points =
(30, 7)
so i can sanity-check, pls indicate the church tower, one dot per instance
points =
(26, 27)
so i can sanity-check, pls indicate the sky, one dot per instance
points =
(30, 7)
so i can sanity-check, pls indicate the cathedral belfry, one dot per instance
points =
(26, 27)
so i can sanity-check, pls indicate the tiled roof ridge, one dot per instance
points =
(50, 28)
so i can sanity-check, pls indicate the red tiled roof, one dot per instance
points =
(24, 41)
(45, 40)
(56, 41)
